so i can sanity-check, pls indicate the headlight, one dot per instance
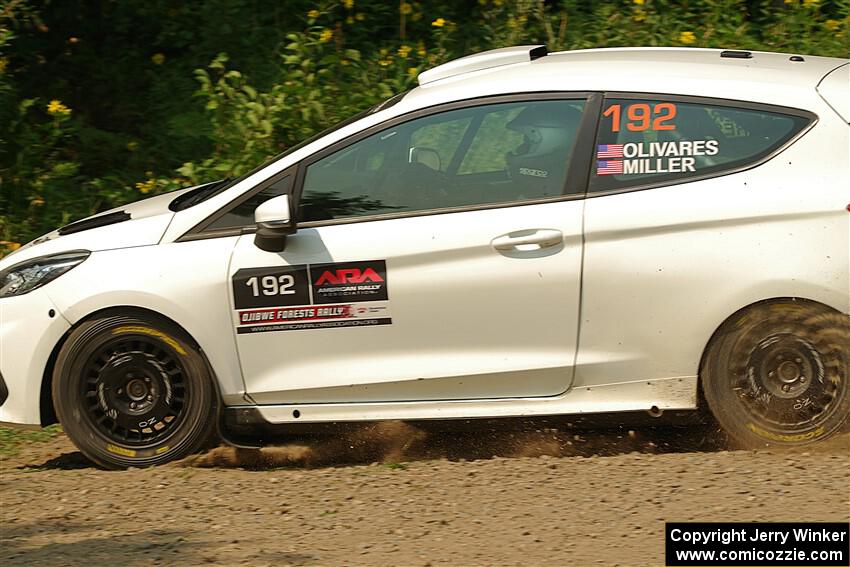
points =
(32, 274)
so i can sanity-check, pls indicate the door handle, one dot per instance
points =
(539, 238)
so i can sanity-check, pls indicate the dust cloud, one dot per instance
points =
(395, 442)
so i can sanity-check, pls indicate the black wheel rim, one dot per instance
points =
(785, 385)
(135, 391)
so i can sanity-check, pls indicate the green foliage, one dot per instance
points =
(179, 94)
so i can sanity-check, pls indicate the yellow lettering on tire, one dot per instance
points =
(124, 452)
(152, 332)
(785, 438)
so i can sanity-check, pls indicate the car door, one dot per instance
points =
(437, 257)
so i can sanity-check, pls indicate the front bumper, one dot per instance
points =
(28, 335)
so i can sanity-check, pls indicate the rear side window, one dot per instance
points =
(646, 142)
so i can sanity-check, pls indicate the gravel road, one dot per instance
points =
(551, 499)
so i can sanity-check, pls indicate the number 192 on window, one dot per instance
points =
(641, 116)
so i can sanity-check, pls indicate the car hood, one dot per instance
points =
(138, 224)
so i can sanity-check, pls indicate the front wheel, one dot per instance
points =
(778, 375)
(132, 391)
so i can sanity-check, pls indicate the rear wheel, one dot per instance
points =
(778, 374)
(133, 391)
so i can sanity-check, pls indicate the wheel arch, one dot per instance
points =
(47, 412)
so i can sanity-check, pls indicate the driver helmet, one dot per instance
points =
(548, 131)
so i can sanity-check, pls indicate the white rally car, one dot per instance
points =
(524, 234)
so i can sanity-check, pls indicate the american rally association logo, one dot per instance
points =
(652, 157)
(351, 282)
(349, 276)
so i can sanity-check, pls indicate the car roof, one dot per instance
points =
(774, 78)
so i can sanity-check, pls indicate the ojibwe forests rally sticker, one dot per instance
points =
(311, 296)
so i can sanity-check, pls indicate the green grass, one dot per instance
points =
(11, 440)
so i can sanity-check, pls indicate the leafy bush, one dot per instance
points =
(209, 90)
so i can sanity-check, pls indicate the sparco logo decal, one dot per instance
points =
(349, 275)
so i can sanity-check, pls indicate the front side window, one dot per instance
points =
(642, 142)
(491, 154)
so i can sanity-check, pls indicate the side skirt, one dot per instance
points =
(653, 402)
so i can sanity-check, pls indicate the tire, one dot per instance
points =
(778, 375)
(134, 392)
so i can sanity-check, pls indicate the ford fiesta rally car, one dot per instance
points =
(524, 234)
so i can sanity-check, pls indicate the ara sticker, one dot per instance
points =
(314, 296)
(352, 281)
(644, 158)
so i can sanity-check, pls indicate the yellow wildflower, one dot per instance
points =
(789, 1)
(438, 23)
(385, 62)
(405, 8)
(420, 49)
(359, 17)
(404, 51)
(57, 108)
(37, 201)
(831, 25)
(639, 16)
(810, 3)
(326, 35)
(412, 71)
(158, 58)
(313, 14)
(349, 4)
(344, 62)
(639, 2)
(687, 37)
(132, 146)
(10, 246)
(146, 186)
(4, 62)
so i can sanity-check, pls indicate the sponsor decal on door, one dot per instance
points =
(314, 296)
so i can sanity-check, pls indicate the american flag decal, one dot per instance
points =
(609, 151)
(609, 167)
